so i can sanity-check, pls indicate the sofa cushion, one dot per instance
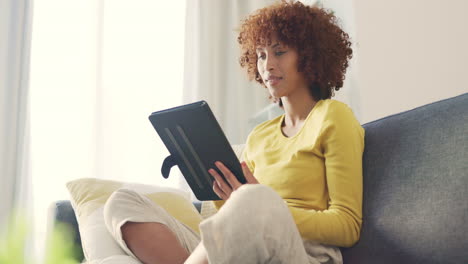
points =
(415, 187)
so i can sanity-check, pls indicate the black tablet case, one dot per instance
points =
(195, 141)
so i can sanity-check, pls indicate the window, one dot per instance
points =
(98, 69)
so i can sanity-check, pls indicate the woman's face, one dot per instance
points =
(278, 67)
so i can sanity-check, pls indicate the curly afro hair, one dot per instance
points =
(323, 47)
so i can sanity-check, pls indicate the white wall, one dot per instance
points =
(410, 53)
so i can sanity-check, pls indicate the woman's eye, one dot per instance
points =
(279, 53)
(261, 56)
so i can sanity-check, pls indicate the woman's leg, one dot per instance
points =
(153, 243)
(254, 226)
(146, 231)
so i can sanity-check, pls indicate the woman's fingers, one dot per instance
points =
(223, 188)
(222, 185)
(232, 180)
(248, 174)
(218, 191)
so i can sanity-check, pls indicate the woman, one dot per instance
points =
(308, 161)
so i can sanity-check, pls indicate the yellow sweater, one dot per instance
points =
(318, 171)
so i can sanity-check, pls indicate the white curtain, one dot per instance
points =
(212, 71)
(98, 70)
(15, 38)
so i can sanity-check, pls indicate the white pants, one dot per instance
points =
(254, 226)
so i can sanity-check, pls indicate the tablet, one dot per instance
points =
(195, 141)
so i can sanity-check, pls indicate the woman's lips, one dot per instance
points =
(274, 80)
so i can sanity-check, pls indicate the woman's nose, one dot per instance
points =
(270, 63)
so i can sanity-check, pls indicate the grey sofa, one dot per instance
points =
(415, 188)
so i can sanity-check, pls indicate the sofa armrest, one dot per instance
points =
(63, 213)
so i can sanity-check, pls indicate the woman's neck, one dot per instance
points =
(297, 109)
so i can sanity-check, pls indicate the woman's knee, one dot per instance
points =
(121, 198)
(117, 203)
(256, 196)
(128, 206)
(257, 200)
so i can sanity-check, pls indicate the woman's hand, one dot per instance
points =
(224, 189)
